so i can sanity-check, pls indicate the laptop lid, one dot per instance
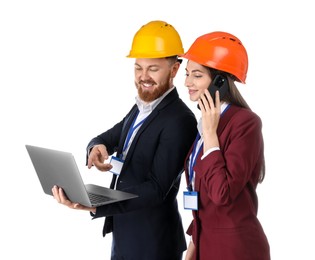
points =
(59, 168)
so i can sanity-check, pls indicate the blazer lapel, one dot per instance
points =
(228, 114)
(127, 124)
(173, 95)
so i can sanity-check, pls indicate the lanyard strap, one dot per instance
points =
(131, 130)
(193, 160)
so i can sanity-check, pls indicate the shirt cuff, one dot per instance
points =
(210, 151)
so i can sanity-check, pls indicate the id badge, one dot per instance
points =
(117, 165)
(191, 200)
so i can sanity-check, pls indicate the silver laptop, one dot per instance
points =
(59, 168)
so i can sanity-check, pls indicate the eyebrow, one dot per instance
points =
(193, 71)
(150, 66)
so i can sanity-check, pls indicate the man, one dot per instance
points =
(151, 142)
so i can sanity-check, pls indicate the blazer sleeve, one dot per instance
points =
(112, 137)
(226, 172)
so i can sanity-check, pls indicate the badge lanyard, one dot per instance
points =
(193, 160)
(131, 131)
(117, 162)
(190, 196)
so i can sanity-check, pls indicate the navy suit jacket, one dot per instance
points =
(150, 226)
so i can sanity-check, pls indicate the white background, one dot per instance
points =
(64, 78)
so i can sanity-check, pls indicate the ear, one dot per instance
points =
(175, 68)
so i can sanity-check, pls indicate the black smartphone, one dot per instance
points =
(220, 82)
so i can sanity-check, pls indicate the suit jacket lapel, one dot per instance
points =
(228, 114)
(173, 95)
(127, 124)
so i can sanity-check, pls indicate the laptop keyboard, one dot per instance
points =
(95, 198)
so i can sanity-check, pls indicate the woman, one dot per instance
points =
(226, 162)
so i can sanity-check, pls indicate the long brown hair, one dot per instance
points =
(235, 97)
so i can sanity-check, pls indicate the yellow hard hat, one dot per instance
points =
(156, 39)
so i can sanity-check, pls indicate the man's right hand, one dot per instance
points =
(97, 156)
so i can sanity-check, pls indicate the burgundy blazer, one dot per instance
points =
(225, 226)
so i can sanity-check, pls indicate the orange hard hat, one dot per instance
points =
(222, 51)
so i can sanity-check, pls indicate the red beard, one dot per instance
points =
(148, 96)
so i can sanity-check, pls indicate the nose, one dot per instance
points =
(188, 82)
(144, 75)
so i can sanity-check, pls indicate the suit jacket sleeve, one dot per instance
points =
(226, 172)
(112, 137)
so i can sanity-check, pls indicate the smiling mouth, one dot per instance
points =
(147, 85)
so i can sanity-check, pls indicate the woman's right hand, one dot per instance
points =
(210, 119)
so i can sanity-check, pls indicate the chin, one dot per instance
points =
(193, 99)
